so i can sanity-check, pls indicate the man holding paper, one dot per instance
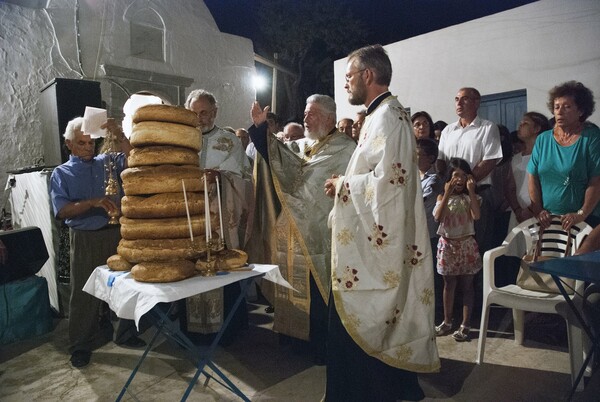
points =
(77, 189)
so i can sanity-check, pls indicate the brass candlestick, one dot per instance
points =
(219, 245)
(211, 260)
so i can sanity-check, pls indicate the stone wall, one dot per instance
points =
(92, 40)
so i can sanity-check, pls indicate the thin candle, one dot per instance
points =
(206, 208)
(187, 211)
(220, 213)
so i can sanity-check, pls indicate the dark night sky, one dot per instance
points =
(388, 20)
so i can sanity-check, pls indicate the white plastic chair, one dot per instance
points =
(520, 300)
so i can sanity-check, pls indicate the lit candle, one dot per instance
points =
(206, 209)
(220, 213)
(187, 210)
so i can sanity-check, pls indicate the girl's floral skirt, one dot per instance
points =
(458, 257)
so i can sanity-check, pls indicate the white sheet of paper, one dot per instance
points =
(93, 118)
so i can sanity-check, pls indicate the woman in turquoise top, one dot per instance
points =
(564, 169)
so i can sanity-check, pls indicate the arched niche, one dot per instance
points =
(147, 33)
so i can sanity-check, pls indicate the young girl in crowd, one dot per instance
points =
(458, 257)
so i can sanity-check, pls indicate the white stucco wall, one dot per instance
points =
(38, 45)
(25, 56)
(533, 47)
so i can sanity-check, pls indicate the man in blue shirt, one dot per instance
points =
(77, 189)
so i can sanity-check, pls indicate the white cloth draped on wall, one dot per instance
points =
(30, 206)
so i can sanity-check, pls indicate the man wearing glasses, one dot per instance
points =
(223, 156)
(381, 309)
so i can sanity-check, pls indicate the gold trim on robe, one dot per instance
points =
(381, 275)
(223, 151)
(303, 238)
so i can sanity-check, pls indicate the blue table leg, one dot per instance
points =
(207, 360)
(585, 327)
(158, 326)
(164, 325)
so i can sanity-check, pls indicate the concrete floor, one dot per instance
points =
(265, 370)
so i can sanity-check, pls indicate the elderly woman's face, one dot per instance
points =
(566, 112)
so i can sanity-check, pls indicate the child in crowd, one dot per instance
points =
(432, 185)
(458, 257)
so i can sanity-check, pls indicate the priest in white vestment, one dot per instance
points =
(381, 329)
(303, 239)
(222, 156)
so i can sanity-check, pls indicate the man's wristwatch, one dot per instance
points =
(580, 212)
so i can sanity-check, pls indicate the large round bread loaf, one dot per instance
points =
(231, 259)
(165, 205)
(118, 263)
(161, 179)
(162, 155)
(165, 228)
(144, 250)
(148, 133)
(225, 260)
(166, 113)
(167, 271)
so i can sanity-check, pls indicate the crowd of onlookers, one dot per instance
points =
(563, 170)
(548, 166)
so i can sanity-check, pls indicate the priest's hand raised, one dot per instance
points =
(258, 114)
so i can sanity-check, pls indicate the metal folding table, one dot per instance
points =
(584, 267)
(131, 300)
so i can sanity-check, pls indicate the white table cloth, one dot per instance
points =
(131, 299)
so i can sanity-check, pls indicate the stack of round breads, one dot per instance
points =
(155, 231)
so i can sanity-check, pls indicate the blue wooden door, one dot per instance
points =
(504, 108)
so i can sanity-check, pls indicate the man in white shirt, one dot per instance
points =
(477, 141)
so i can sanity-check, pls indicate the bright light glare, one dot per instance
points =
(131, 105)
(259, 82)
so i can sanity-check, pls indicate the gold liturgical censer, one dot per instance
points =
(111, 147)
